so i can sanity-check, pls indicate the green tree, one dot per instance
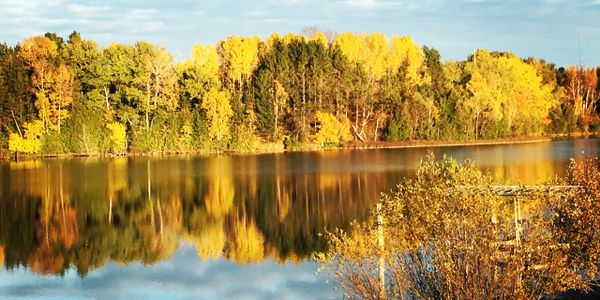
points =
(16, 102)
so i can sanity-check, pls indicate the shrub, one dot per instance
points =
(447, 234)
(332, 131)
(32, 141)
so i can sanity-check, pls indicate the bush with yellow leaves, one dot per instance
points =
(332, 131)
(448, 234)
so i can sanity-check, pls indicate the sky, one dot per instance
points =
(561, 31)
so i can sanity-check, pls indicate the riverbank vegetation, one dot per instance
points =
(461, 239)
(246, 93)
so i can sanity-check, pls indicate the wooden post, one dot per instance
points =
(517, 217)
(381, 250)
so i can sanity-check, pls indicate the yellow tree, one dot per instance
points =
(39, 52)
(355, 48)
(506, 93)
(375, 54)
(218, 112)
(407, 78)
(405, 52)
(201, 71)
(280, 96)
(240, 58)
(331, 130)
(320, 38)
(61, 95)
(527, 99)
(118, 137)
(351, 45)
(485, 104)
(164, 79)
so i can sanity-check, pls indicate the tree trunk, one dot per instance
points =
(147, 105)
(303, 100)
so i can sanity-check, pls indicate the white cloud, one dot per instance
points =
(372, 4)
(294, 2)
(87, 10)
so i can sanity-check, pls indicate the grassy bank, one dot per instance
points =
(445, 143)
(271, 148)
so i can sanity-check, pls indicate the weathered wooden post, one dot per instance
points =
(380, 239)
(517, 217)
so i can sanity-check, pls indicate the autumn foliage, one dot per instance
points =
(446, 240)
(276, 90)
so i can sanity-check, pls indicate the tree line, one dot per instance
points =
(244, 93)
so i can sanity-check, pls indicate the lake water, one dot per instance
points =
(215, 227)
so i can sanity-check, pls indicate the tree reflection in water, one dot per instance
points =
(83, 213)
(59, 214)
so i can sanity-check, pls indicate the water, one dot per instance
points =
(227, 226)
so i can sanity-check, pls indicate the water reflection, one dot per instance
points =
(83, 213)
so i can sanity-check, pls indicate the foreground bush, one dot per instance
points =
(448, 234)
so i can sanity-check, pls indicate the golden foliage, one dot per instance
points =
(206, 59)
(218, 111)
(380, 57)
(577, 217)
(331, 130)
(118, 137)
(61, 96)
(201, 71)
(405, 52)
(506, 88)
(31, 143)
(39, 52)
(444, 240)
(240, 55)
(53, 84)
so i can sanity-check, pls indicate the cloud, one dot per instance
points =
(543, 28)
(373, 4)
(294, 2)
(87, 9)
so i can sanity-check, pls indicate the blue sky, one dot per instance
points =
(543, 28)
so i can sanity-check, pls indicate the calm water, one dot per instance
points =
(227, 226)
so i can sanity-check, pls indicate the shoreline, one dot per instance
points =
(450, 143)
(315, 148)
